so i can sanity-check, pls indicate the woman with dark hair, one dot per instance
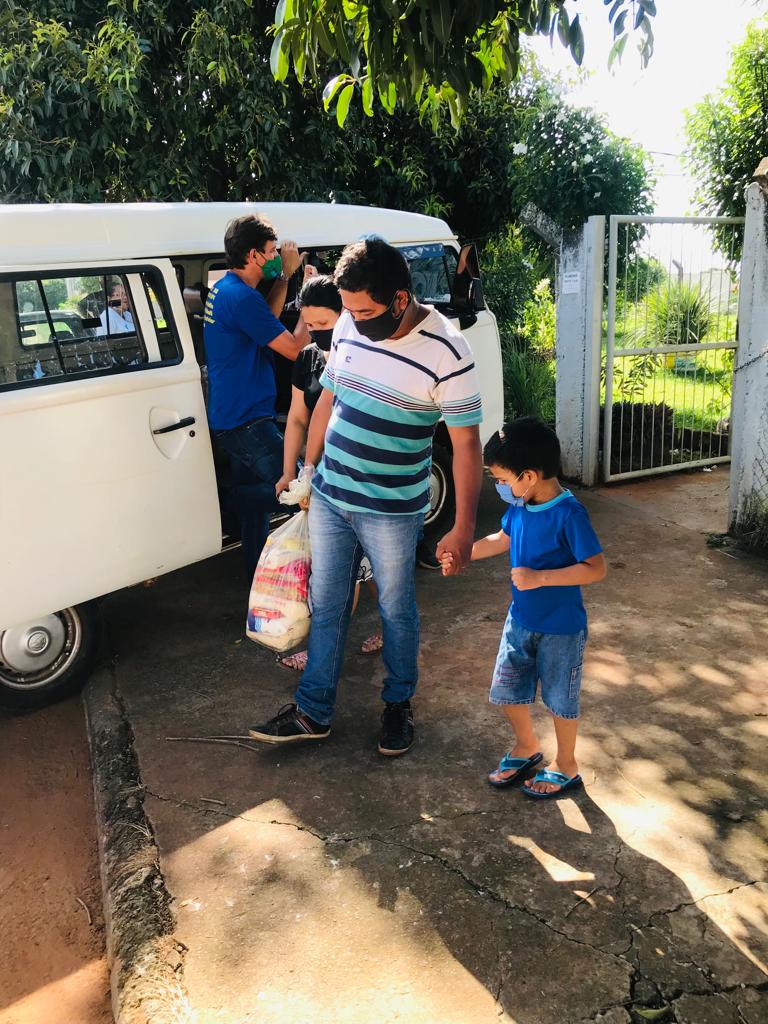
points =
(320, 305)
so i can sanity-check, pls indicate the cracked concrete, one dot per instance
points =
(334, 886)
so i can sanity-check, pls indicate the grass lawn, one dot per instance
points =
(696, 385)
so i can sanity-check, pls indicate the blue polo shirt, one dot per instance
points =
(553, 535)
(239, 325)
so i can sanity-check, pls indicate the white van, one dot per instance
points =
(107, 475)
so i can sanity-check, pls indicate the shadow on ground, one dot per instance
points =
(332, 885)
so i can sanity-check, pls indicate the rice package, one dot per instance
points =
(278, 608)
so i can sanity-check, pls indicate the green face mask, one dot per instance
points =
(272, 268)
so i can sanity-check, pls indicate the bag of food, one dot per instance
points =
(278, 608)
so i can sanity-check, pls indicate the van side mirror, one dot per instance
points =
(476, 295)
(467, 290)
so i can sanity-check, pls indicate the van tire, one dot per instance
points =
(442, 512)
(81, 629)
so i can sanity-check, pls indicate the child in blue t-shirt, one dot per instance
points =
(553, 551)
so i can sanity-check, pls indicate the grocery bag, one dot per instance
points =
(278, 607)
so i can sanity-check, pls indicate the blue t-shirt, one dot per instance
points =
(554, 535)
(241, 376)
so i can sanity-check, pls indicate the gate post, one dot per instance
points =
(579, 337)
(749, 401)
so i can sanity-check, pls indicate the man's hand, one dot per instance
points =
(283, 483)
(525, 578)
(458, 546)
(289, 254)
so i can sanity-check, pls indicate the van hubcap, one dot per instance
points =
(35, 653)
(437, 491)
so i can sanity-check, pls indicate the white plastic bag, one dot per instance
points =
(278, 607)
(299, 489)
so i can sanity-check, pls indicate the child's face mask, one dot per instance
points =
(506, 494)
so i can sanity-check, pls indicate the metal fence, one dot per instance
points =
(669, 344)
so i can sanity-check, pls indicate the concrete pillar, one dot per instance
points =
(578, 349)
(749, 403)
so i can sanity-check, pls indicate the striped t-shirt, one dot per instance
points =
(387, 398)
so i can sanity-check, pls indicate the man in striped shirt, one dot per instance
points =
(395, 368)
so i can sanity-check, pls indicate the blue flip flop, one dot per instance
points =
(558, 779)
(521, 766)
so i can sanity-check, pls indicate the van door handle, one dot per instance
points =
(186, 422)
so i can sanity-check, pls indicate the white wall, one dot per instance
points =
(578, 349)
(749, 411)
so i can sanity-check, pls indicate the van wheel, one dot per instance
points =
(49, 658)
(442, 496)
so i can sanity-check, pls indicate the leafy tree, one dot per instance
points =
(426, 53)
(728, 134)
(181, 104)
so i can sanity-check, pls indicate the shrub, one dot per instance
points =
(538, 328)
(509, 278)
(642, 435)
(529, 383)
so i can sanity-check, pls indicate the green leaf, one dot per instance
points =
(275, 55)
(332, 88)
(280, 13)
(342, 107)
(617, 51)
(576, 37)
(650, 1013)
(650, 7)
(563, 27)
(324, 38)
(368, 96)
(545, 18)
(442, 19)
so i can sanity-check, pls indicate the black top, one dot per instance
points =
(307, 371)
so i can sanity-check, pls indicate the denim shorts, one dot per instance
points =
(526, 658)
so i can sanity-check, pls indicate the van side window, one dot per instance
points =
(432, 269)
(59, 326)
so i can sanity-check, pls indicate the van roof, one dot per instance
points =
(56, 232)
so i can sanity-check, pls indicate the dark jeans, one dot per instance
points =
(256, 453)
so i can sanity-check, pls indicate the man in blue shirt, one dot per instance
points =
(242, 331)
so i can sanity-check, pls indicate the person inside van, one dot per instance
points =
(241, 332)
(395, 368)
(116, 317)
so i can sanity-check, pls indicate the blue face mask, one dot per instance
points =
(505, 493)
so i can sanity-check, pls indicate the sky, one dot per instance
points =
(692, 55)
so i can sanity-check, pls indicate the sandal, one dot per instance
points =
(521, 766)
(557, 779)
(297, 661)
(373, 644)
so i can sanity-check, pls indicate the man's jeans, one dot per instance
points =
(339, 540)
(256, 451)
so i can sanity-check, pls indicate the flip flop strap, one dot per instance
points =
(507, 764)
(555, 777)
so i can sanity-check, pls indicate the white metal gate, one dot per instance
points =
(670, 338)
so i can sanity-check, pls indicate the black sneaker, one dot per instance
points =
(426, 557)
(396, 736)
(289, 726)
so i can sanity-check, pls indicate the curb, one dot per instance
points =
(146, 961)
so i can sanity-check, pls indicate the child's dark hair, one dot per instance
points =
(524, 443)
(320, 291)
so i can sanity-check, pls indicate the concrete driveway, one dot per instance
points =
(332, 885)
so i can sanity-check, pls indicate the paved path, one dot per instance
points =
(332, 886)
